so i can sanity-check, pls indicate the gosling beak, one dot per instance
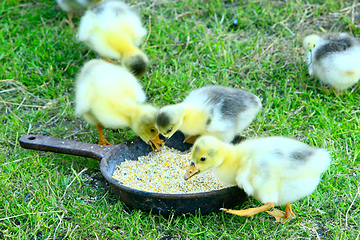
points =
(156, 143)
(192, 170)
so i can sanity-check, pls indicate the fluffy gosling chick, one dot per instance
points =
(222, 112)
(334, 59)
(115, 31)
(109, 95)
(274, 170)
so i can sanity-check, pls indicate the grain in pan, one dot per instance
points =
(162, 172)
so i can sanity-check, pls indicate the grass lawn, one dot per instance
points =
(191, 43)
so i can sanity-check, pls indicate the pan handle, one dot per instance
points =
(58, 145)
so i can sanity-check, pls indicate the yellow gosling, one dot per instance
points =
(109, 95)
(274, 170)
(218, 111)
(334, 59)
(115, 32)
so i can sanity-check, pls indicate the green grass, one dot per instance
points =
(191, 44)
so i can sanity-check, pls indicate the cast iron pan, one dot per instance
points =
(158, 203)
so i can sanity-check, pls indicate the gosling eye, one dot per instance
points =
(168, 131)
(202, 159)
(152, 130)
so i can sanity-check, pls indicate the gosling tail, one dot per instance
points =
(132, 57)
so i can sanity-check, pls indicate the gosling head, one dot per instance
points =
(168, 120)
(206, 155)
(144, 124)
(310, 41)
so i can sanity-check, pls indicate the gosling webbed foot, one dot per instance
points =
(250, 212)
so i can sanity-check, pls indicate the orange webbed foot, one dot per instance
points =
(281, 216)
(241, 213)
(250, 212)
(104, 142)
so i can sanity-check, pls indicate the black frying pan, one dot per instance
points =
(112, 156)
